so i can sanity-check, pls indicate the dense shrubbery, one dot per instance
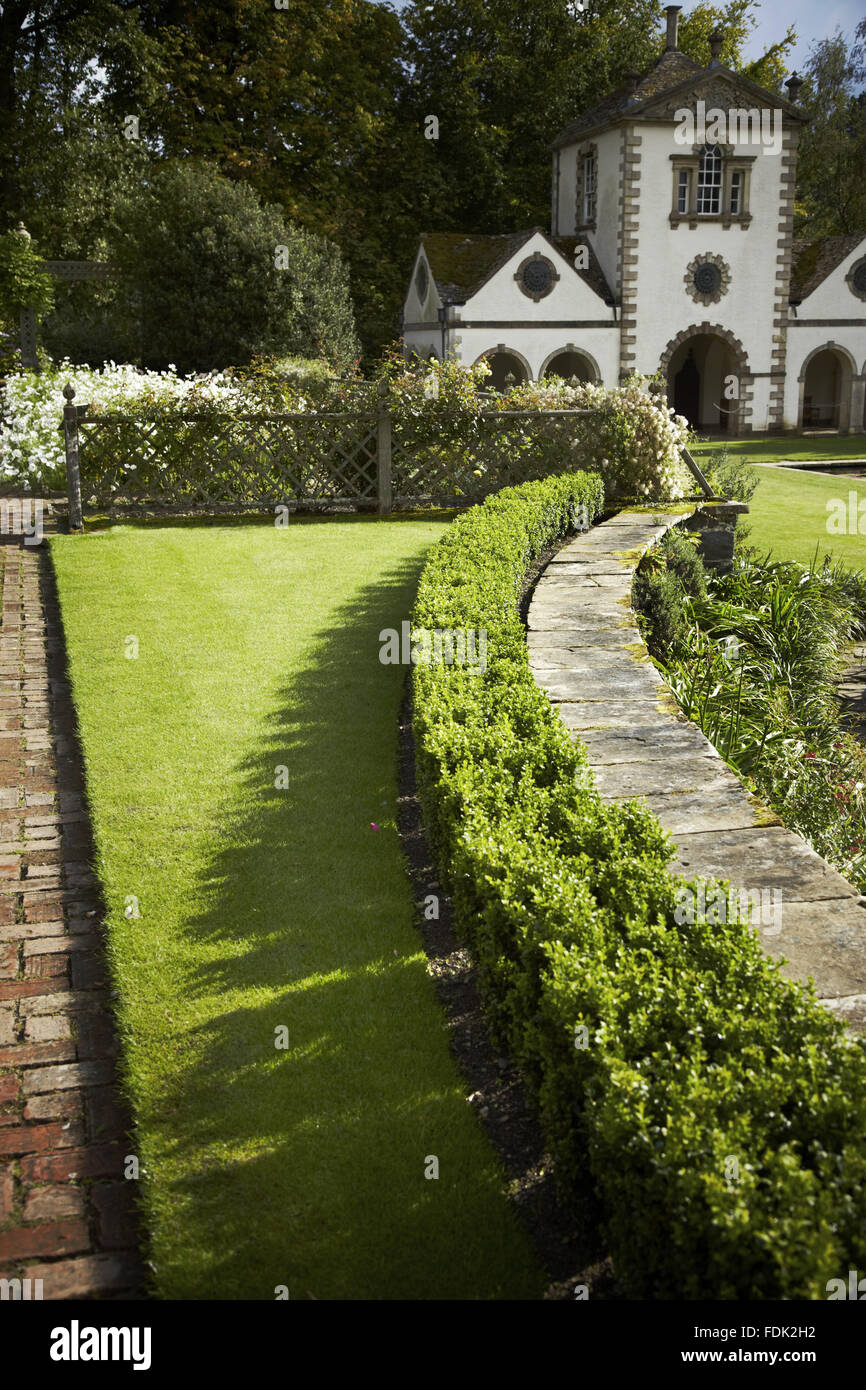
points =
(214, 275)
(631, 439)
(671, 571)
(697, 1051)
(754, 662)
(731, 477)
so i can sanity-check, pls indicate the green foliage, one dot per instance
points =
(671, 572)
(200, 256)
(22, 283)
(736, 23)
(659, 1049)
(731, 477)
(831, 194)
(754, 663)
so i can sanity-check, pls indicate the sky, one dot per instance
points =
(811, 20)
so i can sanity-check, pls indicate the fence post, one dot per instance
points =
(383, 437)
(73, 475)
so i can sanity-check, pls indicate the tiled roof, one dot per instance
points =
(462, 264)
(814, 260)
(672, 68)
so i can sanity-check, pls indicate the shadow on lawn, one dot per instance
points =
(311, 1167)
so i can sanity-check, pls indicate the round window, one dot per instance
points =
(858, 279)
(708, 279)
(538, 276)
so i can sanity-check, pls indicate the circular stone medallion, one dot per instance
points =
(707, 278)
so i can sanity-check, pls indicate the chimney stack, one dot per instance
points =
(673, 14)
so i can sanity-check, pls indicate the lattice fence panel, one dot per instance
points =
(497, 449)
(207, 462)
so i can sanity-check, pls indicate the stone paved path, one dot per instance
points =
(66, 1212)
(586, 651)
(852, 692)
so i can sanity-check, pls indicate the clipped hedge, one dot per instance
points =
(718, 1112)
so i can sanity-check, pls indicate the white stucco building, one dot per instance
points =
(671, 250)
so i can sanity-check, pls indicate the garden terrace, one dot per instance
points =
(586, 652)
(716, 1105)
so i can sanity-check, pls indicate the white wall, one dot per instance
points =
(604, 238)
(501, 303)
(414, 310)
(536, 345)
(664, 308)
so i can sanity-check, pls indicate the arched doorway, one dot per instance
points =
(571, 362)
(704, 379)
(508, 368)
(826, 390)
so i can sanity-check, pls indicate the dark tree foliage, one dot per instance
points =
(216, 277)
(322, 109)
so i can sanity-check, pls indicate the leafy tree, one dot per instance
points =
(735, 23)
(62, 59)
(831, 188)
(215, 277)
(302, 104)
(23, 283)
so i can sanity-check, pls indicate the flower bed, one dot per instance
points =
(754, 663)
(717, 1109)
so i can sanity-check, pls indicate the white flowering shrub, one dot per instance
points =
(31, 411)
(634, 438)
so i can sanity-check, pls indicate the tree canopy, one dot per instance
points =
(323, 109)
(215, 277)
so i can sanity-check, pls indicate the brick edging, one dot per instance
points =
(67, 1215)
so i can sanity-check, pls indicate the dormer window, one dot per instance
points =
(709, 181)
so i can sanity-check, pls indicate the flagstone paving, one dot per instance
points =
(586, 651)
(67, 1214)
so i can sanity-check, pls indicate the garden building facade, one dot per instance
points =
(671, 251)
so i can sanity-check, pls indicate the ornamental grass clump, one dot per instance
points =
(754, 661)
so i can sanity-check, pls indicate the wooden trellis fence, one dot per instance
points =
(366, 459)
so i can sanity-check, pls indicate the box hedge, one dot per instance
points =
(717, 1111)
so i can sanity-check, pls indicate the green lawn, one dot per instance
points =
(797, 448)
(263, 908)
(789, 516)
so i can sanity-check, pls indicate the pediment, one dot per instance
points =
(721, 90)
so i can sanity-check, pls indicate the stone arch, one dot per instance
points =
(740, 418)
(502, 349)
(581, 352)
(847, 386)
